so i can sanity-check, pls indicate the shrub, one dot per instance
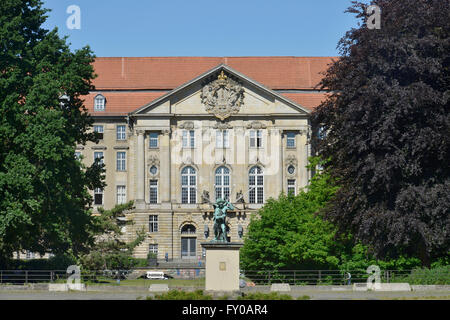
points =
(58, 262)
(436, 276)
(182, 295)
(264, 296)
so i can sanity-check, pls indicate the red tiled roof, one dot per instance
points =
(307, 100)
(121, 103)
(170, 72)
(126, 74)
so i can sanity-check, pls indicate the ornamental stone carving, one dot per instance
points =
(256, 125)
(222, 126)
(153, 160)
(222, 97)
(291, 160)
(186, 125)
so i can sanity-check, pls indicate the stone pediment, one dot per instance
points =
(221, 92)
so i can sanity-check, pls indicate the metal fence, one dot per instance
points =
(96, 276)
(256, 277)
(319, 277)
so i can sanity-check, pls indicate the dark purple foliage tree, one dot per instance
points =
(387, 127)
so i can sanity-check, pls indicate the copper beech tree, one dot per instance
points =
(386, 130)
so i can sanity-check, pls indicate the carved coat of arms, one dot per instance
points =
(222, 97)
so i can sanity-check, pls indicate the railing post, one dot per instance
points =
(269, 278)
(320, 276)
(26, 277)
(294, 278)
(1, 276)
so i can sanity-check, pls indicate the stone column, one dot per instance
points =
(280, 159)
(165, 164)
(140, 172)
(307, 153)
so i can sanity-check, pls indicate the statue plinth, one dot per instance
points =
(222, 265)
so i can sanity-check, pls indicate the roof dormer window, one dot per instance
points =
(99, 103)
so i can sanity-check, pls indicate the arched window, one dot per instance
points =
(222, 183)
(188, 229)
(99, 103)
(256, 185)
(188, 185)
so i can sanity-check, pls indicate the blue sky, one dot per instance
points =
(115, 28)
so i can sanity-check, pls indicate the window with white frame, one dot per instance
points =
(99, 155)
(222, 139)
(188, 139)
(98, 196)
(291, 187)
(222, 183)
(99, 103)
(188, 185)
(153, 223)
(153, 191)
(256, 140)
(290, 140)
(121, 195)
(78, 155)
(153, 248)
(121, 132)
(153, 139)
(99, 130)
(256, 185)
(121, 161)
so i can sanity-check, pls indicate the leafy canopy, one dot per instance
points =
(287, 233)
(290, 233)
(387, 130)
(44, 198)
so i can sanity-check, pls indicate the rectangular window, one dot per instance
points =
(153, 139)
(78, 155)
(291, 189)
(290, 140)
(188, 139)
(99, 155)
(222, 139)
(99, 103)
(153, 248)
(153, 223)
(121, 161)
(121, 132)
(98, 196)
(121, 195)
(256, 138)
(99, 130)
(153, 191)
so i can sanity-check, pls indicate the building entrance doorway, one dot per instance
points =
(188, 246)
(188, 242)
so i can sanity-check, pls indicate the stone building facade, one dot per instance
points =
(176, 139)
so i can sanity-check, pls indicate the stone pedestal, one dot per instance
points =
(222, 266)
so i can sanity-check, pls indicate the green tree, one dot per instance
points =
(387, 125)
(289, 233)
(44, 198)
(110, 251)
